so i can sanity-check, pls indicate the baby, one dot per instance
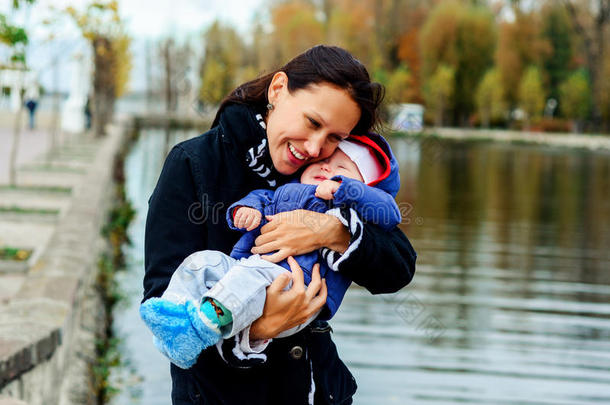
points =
(212, 296)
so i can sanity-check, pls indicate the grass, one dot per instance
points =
(37, 189)
(52, 168)
(14, 254)
(20, 210)
(108, 354)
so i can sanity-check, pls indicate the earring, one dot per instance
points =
(269, 106)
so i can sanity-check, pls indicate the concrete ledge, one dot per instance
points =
(11, 401)
(173, 121)
(23, 345)
(48, 327)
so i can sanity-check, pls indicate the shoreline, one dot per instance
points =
(568, 140)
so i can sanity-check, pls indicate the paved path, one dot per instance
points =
(31, 145)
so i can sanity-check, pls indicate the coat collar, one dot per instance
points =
(245, 129)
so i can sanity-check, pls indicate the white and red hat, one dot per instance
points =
(372, 162)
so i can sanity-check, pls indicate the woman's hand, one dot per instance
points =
(297, 232)
(286, 309)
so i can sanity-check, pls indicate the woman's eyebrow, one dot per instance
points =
(319, 118)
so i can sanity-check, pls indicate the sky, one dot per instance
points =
(145, 20)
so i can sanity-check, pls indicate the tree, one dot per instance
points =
(295, 29)
(559, 34)
(590, 19)
(413, 15)
(490, 98)
(352, 26)
(438, 91)
(410, 56)
(101, 25)
(215, 82)
(520, 44)
(463, 38)
(256, 53)
(531, 94)
(175, 61)
(576, 98)
(400, 86)
(121, 47)
(16, 39)
(604, 93)
(221, 63)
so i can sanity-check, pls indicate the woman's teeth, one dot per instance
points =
(295, 153)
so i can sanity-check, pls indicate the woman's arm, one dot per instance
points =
(292, 233)
(381, 261)
(174, 225)
(286, 309)
(388, 253)
(175, 228)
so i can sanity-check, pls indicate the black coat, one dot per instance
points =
(200, 179)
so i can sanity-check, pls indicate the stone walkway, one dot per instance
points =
(45, 184)
(49, 310)
(32, 144)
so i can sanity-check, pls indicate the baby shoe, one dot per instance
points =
(181, 330)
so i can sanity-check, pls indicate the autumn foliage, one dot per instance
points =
(495, 63)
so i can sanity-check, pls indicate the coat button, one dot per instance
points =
(296, 352)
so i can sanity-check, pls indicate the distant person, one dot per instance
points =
(31, 102)
(31, 105)
(88, 113)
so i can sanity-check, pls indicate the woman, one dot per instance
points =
(264, 132)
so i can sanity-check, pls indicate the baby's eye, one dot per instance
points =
(336, 138)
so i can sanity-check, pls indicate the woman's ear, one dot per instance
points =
(278, 85)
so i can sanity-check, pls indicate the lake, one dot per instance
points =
(510, 303)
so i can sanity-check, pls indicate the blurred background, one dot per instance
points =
(510, 301)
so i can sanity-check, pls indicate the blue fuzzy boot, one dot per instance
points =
(181, 331)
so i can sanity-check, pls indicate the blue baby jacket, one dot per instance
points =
(374, 205)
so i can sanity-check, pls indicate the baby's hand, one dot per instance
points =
(326, 189)
(246, 217)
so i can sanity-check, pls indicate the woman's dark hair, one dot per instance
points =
(320, 64)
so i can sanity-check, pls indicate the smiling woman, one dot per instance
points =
(306, 125)
(265, 131)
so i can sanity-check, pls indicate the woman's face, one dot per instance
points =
(307, 125)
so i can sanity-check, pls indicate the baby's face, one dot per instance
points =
(336, 164)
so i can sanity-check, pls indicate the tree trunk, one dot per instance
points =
(55, 120)
(15, 145)
(103, 85)
(167, 62)
(438, 119)
(485, 118)
(593, 42)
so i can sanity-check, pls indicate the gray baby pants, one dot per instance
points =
(240, 285)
